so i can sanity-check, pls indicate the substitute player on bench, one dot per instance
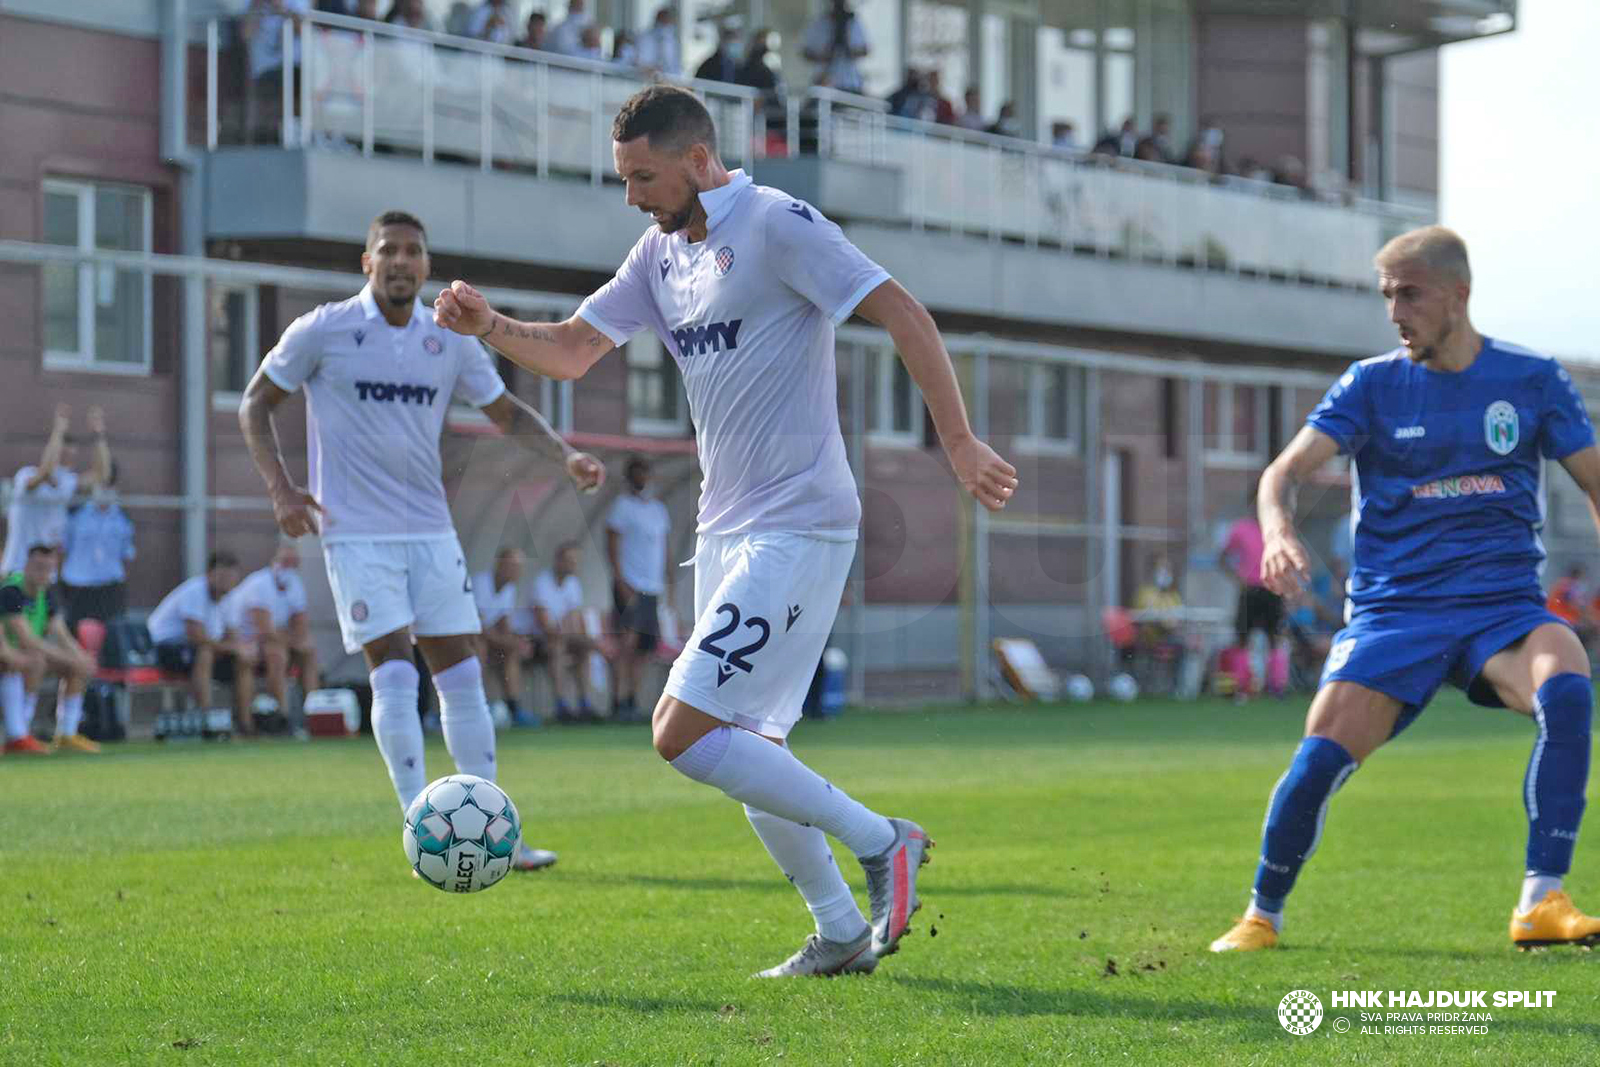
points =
(1448, 433)
(744, 285)
(379, 376)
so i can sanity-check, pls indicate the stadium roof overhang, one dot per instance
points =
(1389, 27)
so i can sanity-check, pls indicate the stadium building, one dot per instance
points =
(1138, 337)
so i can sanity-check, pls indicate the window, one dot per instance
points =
(233, 339)
(97, 317)
(894, 404)
(1055, 408)
(656, 402)
(1237, 422)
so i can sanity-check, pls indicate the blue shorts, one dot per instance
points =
(1409, 652)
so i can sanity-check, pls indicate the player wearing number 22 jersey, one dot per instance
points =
(744, 285)
(1449, 438)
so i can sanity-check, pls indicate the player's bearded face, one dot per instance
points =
(660, 184)
(1422, 308)
(397, 263)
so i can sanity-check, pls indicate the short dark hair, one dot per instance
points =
(395, 218)
(221, 559)
(637, 463)
(667, 117)
(506, 551)
(41, 549)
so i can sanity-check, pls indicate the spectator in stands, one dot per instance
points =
(190, 638)
(262, 29)
(971, 117)
(267, 614)
(639, 549)
(761, 66)
(1158, 605)
(533, 33)
(567, 37)
(1260, 610)
(943, 110)
(491, 22)
(1127, 138)
(504, 649)
(40, 494)
(1202, 158)
(39, 642)
(97, 549)
(410, 14)
(1161, 135)
(590, 44)
(723, 64)
(1291, 172)
(836, 42)
(558, 606)
(624, 51)
(1063, 135)
(911, 100)
(358, 9)
(660, 51)
(1147, 151)
(1005, 123)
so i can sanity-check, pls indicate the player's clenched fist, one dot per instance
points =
(463, 309)
(292, 508)
(1283, 564)
(983, 473)
(588, 473)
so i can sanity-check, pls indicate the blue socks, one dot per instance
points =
(1294, 817)
(1558, 772)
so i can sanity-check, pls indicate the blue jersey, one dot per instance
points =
(1449, 490)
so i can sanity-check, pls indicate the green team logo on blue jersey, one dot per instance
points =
(1500, 428)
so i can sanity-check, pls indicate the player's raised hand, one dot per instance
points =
(981, 472)
(96, 420)
(587, 473)
(1285, 569)
(463, 309)
(296, 511)
(63, 420)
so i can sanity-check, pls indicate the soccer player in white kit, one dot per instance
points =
(379, 376)
(745, 284)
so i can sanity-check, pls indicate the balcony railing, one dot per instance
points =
(375, 88)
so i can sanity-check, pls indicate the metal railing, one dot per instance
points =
(1014, 189)
(374, 87)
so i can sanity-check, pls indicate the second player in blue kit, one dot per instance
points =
(1448, 437)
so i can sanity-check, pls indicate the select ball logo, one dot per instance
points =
(1300, 1012)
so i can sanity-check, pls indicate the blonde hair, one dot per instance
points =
(1438, 248)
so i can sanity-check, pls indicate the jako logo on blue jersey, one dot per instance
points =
(713, 337)
(388, 391)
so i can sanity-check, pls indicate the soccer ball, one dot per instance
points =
(1122, 687)
(461, 833)
(1079, 688)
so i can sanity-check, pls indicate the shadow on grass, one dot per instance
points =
(777, 883)
(988, 998)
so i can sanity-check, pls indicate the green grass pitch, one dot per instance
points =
(249, 903)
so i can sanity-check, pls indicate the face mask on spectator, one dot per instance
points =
(734, 51)
(1163, 578)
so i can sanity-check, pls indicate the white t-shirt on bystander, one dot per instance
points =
(37, 516)
(262, 589)
(561, 598)
(493, 604)
(643, 527)
(191, 600)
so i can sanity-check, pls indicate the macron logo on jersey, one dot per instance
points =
(396, 391)
(1465, 485)
(713, 337)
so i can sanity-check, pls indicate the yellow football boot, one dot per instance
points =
(1555, 920)
(76, 743)
(1248, 935)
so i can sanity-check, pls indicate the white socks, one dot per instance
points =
(14, 702)
(1273, 917)
(464, 715)
(69, 714)
(1534, 887)
(397, 728)
(803, 854)
(765, 776)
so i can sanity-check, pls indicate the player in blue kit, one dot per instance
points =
(1448, 434)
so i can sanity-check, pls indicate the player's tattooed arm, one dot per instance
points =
(562, 350)
(292, 506)
(532, 431)
(1285, 567)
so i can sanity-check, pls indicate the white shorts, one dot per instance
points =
(383, 586)
(764, 606)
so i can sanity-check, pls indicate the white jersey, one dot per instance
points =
(263, 590)
(494, 602)
(642, 526)
(37, 516)
(189, 602)
(376, 400)
(749, 314)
